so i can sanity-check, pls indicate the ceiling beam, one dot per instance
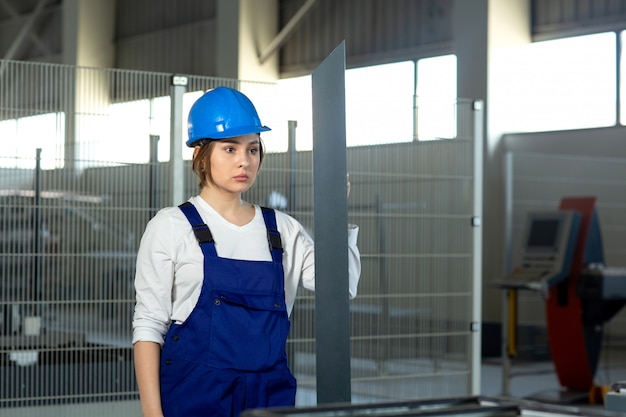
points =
(26, 29)
(286, 31)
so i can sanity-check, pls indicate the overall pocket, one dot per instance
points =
(249, 330)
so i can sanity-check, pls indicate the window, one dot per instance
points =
(129, 126)
(20, 138)
(564, 84)
(622, 87)
(436, 98)
(379, 104)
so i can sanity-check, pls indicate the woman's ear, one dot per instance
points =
(196, 149)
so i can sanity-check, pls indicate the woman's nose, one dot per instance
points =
(244, 160)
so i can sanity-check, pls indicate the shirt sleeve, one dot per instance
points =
(354, 263)
(154, 279)
(299, 259)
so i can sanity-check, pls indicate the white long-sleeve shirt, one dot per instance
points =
(170, 263)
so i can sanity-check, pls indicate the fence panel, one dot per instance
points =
(80, 178)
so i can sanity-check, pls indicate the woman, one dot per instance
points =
(217, 278)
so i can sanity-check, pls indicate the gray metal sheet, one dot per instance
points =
(330, 226)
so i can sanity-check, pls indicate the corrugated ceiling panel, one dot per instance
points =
(160, 35)
(554, 19)
(138, 17)
(375, 31)
(188, 49)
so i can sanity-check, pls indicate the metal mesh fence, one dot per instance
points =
(79, 180)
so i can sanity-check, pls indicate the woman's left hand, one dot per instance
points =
(348, 184)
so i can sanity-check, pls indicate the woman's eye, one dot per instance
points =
(254, 151)
(230, 149)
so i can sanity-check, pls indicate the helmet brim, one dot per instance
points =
(231, 133)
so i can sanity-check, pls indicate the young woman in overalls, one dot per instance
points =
(217, 278)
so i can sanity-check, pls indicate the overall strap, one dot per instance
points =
(273, 235)
(200, 229)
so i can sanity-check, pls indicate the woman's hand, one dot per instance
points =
(348, 184)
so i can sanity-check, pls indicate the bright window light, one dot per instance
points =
(622, 86)
(379, 109)
(564, 84)
(125, 138)
(20, 138)
(8, 142)
(379, 104)
(290, 101)
(128, 127)
(436, 98)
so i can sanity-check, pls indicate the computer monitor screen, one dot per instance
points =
(544, 233)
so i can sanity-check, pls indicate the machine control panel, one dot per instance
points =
(548, 246)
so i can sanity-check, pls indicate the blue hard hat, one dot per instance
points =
(222, 113)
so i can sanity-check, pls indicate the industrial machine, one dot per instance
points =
(562, 258)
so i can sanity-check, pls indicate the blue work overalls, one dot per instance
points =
(229, 355)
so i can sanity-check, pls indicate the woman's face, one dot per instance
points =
(234, 163)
